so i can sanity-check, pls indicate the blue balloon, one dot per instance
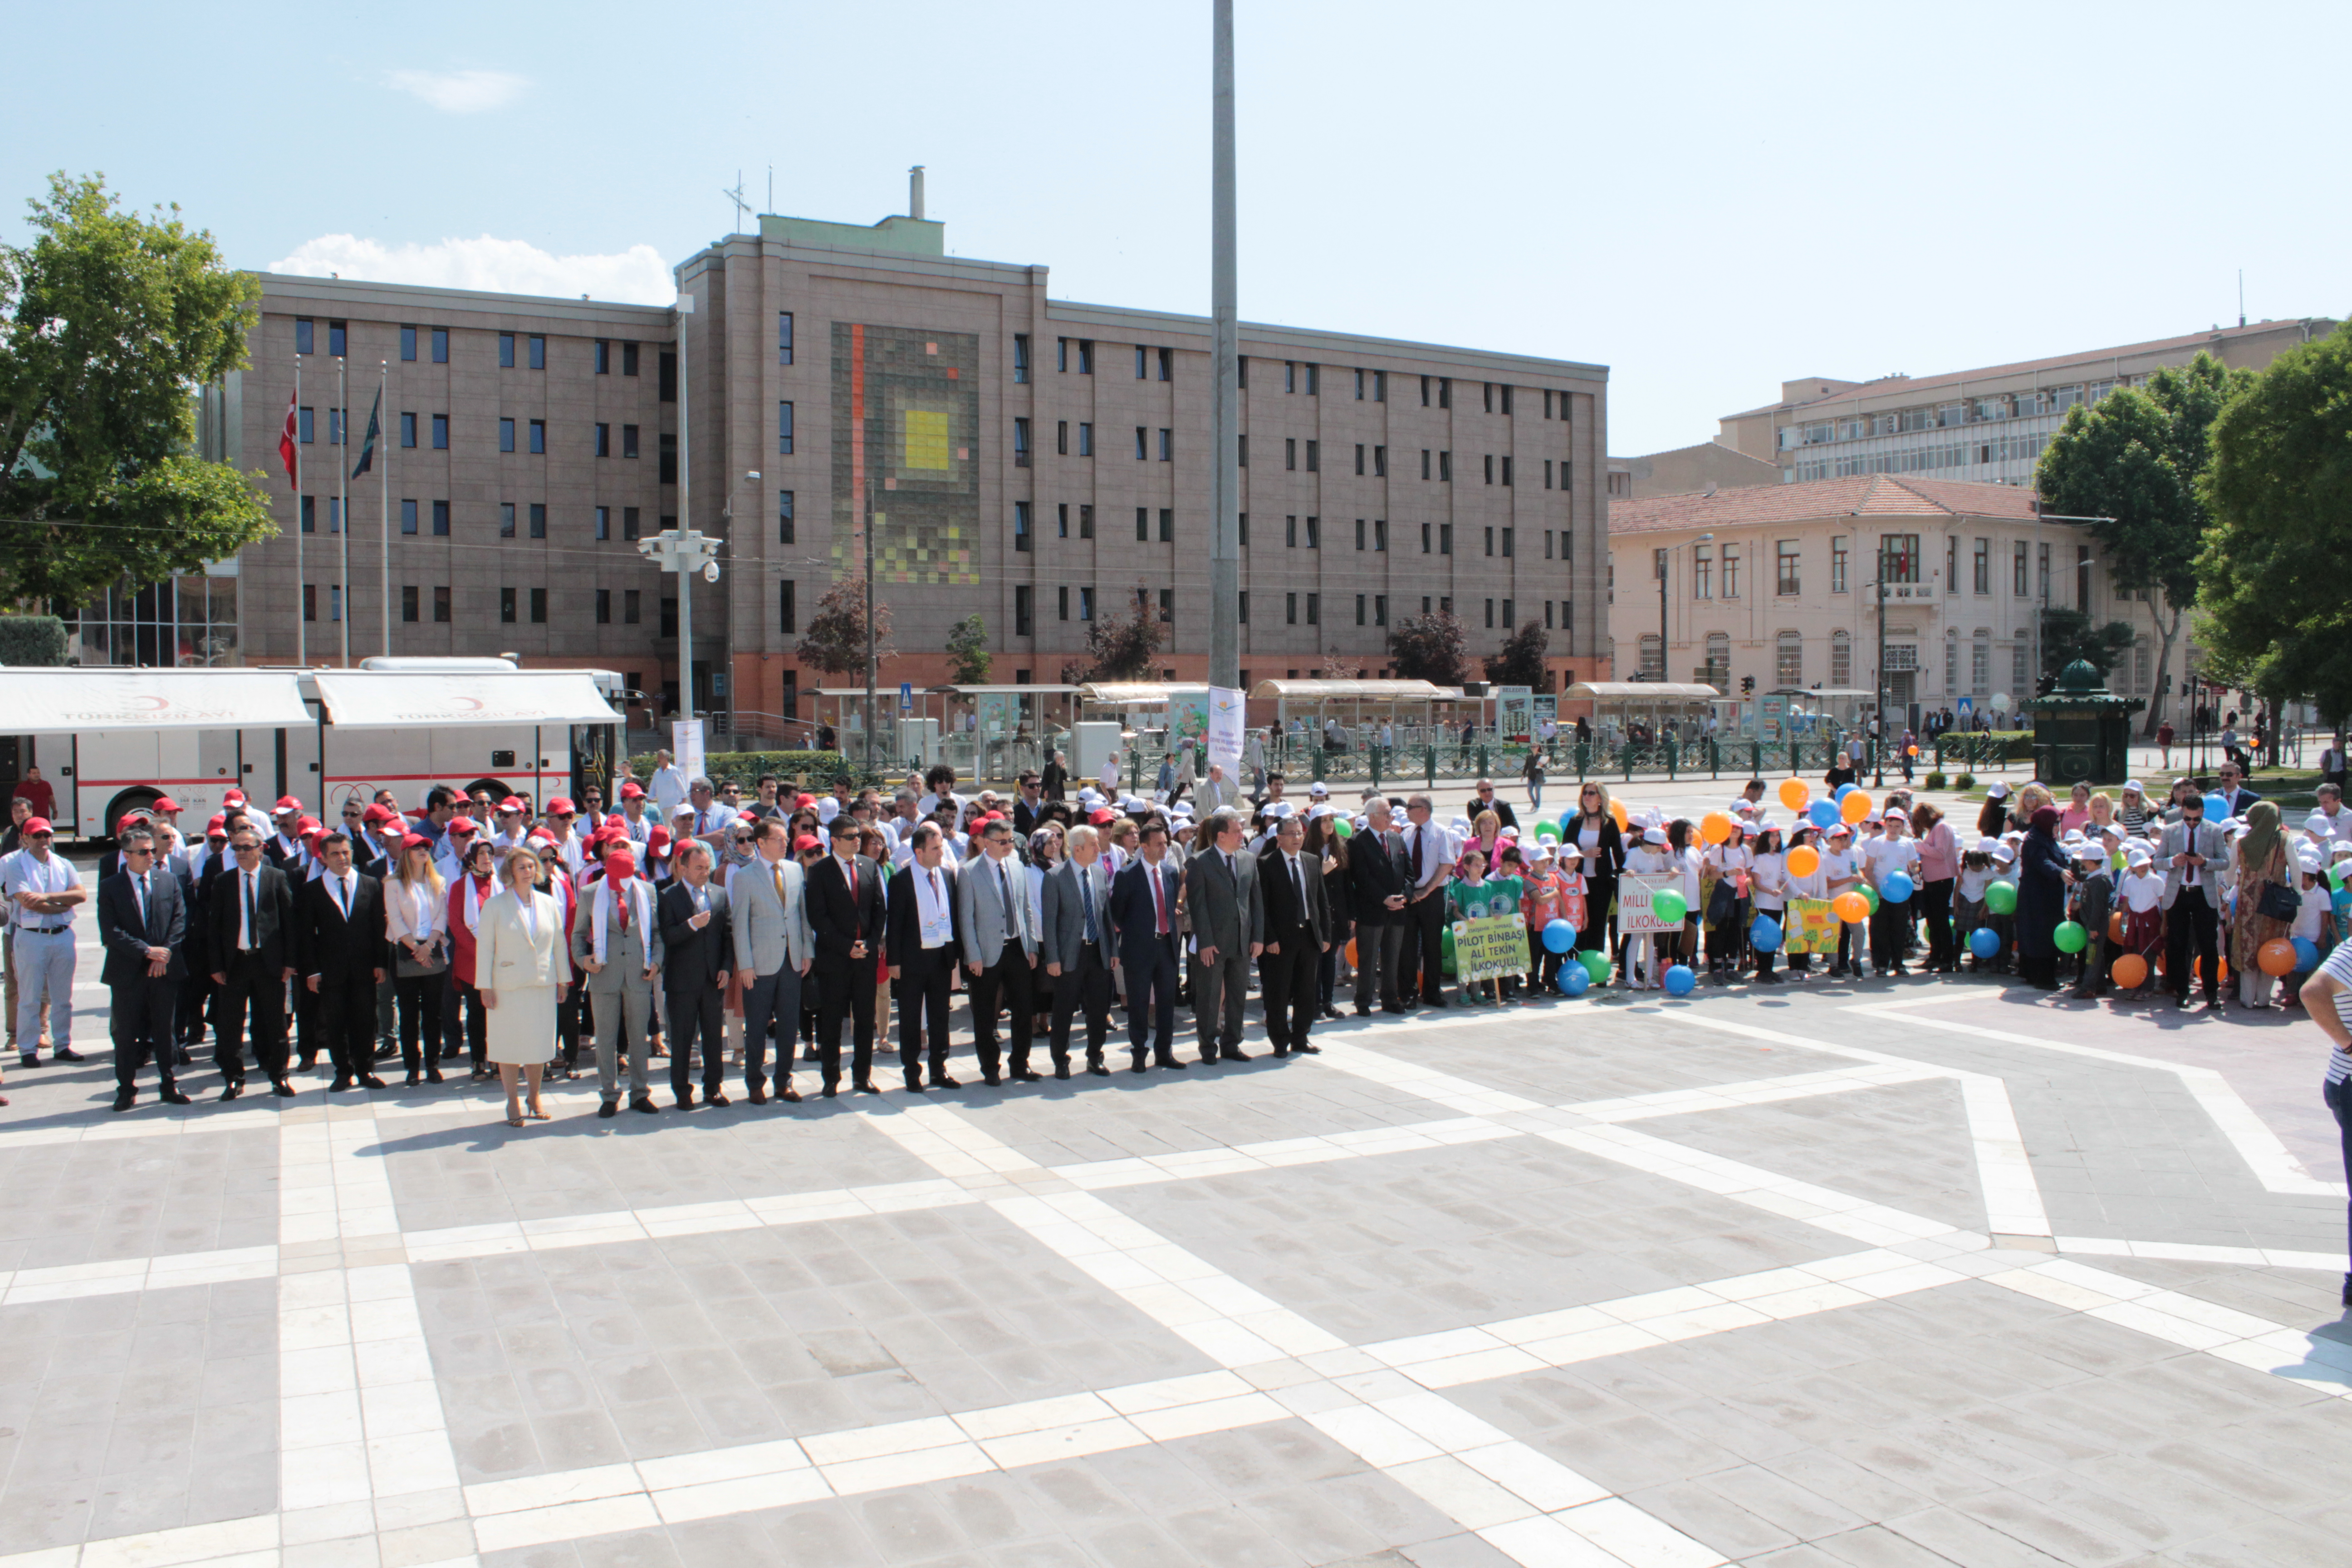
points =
(1842, 791)
(1823, 813)
(2216, 809)
(1984, 942)
(1897, 887)
(2306, 955)
(1573, 980)
(1680, 979)
(1559, 936)
(1764, 936)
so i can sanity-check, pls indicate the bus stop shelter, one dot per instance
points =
(1404, 704)
(1625, 703)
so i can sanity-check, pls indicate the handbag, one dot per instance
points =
(2279, 902)
(1723, 904)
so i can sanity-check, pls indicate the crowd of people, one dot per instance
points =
(708, 928)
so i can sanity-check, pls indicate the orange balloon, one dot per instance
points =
(1617, 810)
(1913, 751)
(1804, 860)
(2115, 926)
(1856, 806)
(1351, 953)
(1851, 906)
(2131, 972)
(1794, 793)
(2276, 957)
(1715, 827)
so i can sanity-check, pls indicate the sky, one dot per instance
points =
(1707, 199)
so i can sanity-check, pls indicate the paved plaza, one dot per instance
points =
(1875, 1275)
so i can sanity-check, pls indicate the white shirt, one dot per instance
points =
(934, 915)
(33, 875)
(343, 890)
(668, 788)
(1884, 856)
(1438, 850)
(248, 900)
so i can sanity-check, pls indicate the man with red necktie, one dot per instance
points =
(1143, 919)
(845, 906)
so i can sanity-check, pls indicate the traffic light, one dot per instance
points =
(1747, 685)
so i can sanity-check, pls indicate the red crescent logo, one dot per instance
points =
(472, 702)
(152, 704)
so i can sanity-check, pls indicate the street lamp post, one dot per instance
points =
(1665, 573)
(684, 552)
(1879, 709)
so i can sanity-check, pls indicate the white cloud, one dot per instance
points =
(460, 92)
(636, 276)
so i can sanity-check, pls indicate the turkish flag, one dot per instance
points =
(285, 449)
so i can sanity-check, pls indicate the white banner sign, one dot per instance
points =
(686, 746)
(1227, 711)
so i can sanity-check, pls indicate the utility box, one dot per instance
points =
(2082, 731)
(1091, 742)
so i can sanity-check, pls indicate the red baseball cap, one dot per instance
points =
(286, 802)
(310, 825)
(1103, 815)
(560, 807)
(376, 816)
(129, 821)
(631, 791)
(462, 824)
(657, 836)
(219, 823)
(806, 841)
(414, 841)
(167, 804)
(233, 797)
(620, 863)
(510, 804)
(802, 799)
(38, 825)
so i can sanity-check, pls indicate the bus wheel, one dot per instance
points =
(496, 788)
(137, 803)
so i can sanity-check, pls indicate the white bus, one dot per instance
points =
(111, 741)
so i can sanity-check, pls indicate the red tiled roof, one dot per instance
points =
(1869, 494)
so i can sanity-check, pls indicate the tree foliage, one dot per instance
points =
(1521, 660)
(32, 639)
(1119, 648)
(968, 659)
(2136, 456)
(1430, 647)
(2068, 635)
(112, 322)
(2279, 486)
(834, 642)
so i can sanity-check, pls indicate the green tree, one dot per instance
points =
(968, 658)
(834, 642)
(2069, 635)
(1521, 660)
(2135, 457)
(109, 323)
(2279, 486)
(1120, 647)
(1430, 647)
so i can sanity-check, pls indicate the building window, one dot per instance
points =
(1380, 462)
(1167, 525)
(1702, 571)
(1490, 542)
(1314, 534)
(1490, 613)
(1789, 664)
(629, 516)
(1507, 461)
(538, 595)
(1142, 363)
(1086, 521)
(788, 615)
(784, 337)
(1290, 451)
(408, 606)
(506, 520)
(628, 440)
(1313, 457)
(1983, 564)
(1653, 657)
(1445, 539)
(666, 374)
(1245, 527)
(1445, 392)
(1731, 571)
(1061, 438)
(1314, 609)
(538, 436)
(1142, 445)
(335, 602)
(441, 520)
(2017, 569)
(1508, 534)
(1424, 539)
(1021, 525)
(603, 357)
(1980, 664)
(1168, 446)
(784, 429)
(408, 516)
(506, 606)
(1020, 444)
(1061, 603)
(1086, 438)
(1142, 524)
(305, 427)
(1837, 564)
(408, 429)
(1490, 468)
(630, 607)
(408, 343)
(628, 359)
(604, 440)
(537, 353)
(440, 345)
(1424, 462)
(668, 452)
(1787, 575)
(441, 606)
(1168, 364)
(304, 343)
(1021, 360)
(1363, 601)
(603, 606)
(2017, 666)
(784, 517)
(1899, 557)
(1167, 605)
(1290, 609)
(1290, 532)
(1024, 611)
(505, 435)
(1359, 533)
(1842, 658)
(1445, 467)
(1086, 604)
(335, 427)
(506, 350)
(539, 520)
(668, 615)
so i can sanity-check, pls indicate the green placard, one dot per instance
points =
(1489, 947)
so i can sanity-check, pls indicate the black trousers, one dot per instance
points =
(1008, 978)
(1150, 974)
(1424, 920)
(924, 983)
(346, 1014)
(1935, 901)
(847, 991)
(1087, 987)
(1286, 981)
(142, 1016)
(695, 1013)
(306, 1024)
(420, 1016)
(194, 991)
(567, 1024)
(468, 1010)
(251, 988)
(2191, 920)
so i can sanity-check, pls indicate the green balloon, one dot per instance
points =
(1871, 894)
(1668, 906)
(2071, 937)
(2000, 898)
(1546, 833)
(1596, 964)
(1445, 950)
(1343, 827)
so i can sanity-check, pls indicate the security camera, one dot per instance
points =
(710, 570)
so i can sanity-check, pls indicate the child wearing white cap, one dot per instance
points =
(1969, 898)
(1649, 857)
(1771, 892)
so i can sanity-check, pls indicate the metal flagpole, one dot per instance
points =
(301, 633)
(342, 426)
(383, 496)
(1224, 407)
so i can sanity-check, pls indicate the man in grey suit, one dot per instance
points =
(617, 940)
(1228, 918)
(1000, 948)
(1215, 792)
(774, 945)
(2192, 848)
(1074, 908)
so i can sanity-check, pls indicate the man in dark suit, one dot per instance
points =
(141, 922)
(1028, 806)
(1376, 874)
(339, 937)
(1297, 930)
(1075, 915)
(921, 944)
(252, 926)
(1143, 926)
(844, 900)
(699, 947)
(1482, 798)
(2235, 796)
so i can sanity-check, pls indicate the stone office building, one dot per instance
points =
(1039, 463)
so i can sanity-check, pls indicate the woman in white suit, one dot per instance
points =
(521, 964)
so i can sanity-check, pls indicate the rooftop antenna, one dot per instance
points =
(735, 196)
(2241, 295)
(771, 187)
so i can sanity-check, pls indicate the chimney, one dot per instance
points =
(915, 192)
